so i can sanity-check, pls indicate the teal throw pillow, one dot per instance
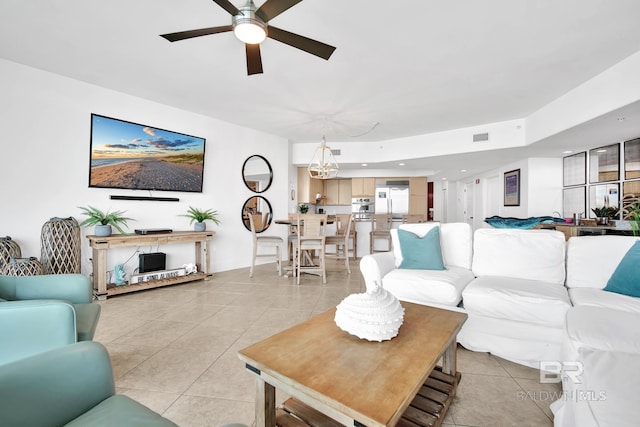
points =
(626, 279)
(421, 253)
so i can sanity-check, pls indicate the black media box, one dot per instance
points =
(152, 262)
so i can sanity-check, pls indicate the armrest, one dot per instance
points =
(55, 387)
(374, 267)
(603, 328)
(31, 327)
(74, 288)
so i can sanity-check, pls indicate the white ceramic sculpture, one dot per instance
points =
(190, 268)
(375, 315)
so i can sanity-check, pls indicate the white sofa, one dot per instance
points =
(440, 288)
(539, 301)
(517, 303)
(601, 344)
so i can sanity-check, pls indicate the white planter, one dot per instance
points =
(199, 226)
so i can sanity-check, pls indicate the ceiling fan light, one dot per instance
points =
(250, 32)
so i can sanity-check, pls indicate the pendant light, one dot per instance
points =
(323, 165)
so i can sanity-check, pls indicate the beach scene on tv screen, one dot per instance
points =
(134, 156)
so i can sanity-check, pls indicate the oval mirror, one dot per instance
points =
(260, 209)
(257, 173)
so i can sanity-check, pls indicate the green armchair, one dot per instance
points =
(68, 386)
(38, 313)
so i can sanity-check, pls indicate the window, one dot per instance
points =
(604, 164)
(575, 169)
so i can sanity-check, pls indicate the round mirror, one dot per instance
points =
(257, 173)
(260, 209)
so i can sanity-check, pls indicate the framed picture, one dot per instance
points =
(512, 188)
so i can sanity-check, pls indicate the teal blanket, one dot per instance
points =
(521, 223)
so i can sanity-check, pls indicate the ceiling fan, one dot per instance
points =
(250, 25)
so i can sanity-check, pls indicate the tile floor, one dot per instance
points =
(174, 349)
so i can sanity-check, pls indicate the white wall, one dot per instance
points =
(45, 124)
(540, 192)
(545, 186)
(507, 134)
(613, 88)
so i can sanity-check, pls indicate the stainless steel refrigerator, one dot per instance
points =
(392, 197)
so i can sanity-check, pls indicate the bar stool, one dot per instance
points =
(341, 239)
(380, 229)
(265, 241)
(412, 219)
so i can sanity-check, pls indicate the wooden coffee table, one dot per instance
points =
(357, 382)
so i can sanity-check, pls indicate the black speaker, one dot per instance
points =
(152, 262)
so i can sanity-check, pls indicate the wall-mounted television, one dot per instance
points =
(138, 157)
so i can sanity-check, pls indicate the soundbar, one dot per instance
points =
(155, 199)
(153, 230)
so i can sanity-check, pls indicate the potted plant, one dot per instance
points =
(199, 216)
(103, 221)
(303, 208)
(633, 216)
(604, 214)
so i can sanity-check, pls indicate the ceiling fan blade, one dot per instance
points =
(311, 46)
(182, 35)
(254, 59)
(226, 5)
(272, 8)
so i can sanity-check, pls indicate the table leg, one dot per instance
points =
(100, 273)
(265, 404)
(449, 359)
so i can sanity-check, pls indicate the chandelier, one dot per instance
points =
(323, 165)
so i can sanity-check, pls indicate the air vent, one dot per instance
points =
(480, 137)
(335, 152)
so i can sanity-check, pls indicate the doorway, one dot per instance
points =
(468, 204)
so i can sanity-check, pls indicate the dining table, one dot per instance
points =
(294, 222)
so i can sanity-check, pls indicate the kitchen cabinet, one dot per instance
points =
(337, 192)
(308, 187)
(363, 187)
(418, 196)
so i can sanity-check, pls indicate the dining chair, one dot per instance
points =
(267, 242)
(341, 221)
(380, 229)
(310, 239)
(292, 239)
(412, 219)
(344, 223)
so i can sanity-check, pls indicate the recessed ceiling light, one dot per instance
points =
(620, 119)
(567, 152)
(444, 179)
(400, 164)
(463, 170)
(364, 164)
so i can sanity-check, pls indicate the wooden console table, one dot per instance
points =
(100, 245)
